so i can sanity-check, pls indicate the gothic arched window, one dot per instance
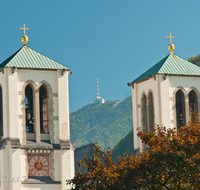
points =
(144, 113)
(193, 103)
(43, 109)
(180, 109)
(1, 112)
(29, 109)
(150, 112)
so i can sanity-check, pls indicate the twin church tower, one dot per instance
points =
(35, 149)
(166, 95)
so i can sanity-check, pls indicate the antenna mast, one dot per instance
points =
(98, 96)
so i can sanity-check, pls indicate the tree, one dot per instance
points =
(171, 162)
(100, 173)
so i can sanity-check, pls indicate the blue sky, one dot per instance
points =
(114, 40)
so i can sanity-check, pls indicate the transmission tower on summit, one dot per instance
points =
(98, 98)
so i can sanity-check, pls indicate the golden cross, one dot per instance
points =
(170, 37)
(24, 29)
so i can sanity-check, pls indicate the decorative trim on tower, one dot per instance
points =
(66, 144)
(15, 143)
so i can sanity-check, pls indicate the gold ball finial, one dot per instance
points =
(171, 47)
(24, 39)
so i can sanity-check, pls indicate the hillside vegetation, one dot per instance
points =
(195, 60)
(103, 123)
(124, 145)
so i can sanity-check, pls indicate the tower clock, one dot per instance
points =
(38, 165)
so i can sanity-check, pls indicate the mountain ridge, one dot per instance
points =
(105, 123)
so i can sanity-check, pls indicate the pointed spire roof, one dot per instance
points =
(26, 57)
(171, 64)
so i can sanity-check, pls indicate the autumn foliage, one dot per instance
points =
(171, 162)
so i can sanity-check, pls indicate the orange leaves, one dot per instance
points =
(172, 162)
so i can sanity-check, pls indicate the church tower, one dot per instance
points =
(166, 95)
(35, 151)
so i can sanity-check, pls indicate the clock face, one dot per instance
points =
(38, 165)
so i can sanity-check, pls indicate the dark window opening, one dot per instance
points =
(180, 109)
(29, 109)
(150, 112)
(43, 110)
(144, 119)
(144, 113)
(193, 103)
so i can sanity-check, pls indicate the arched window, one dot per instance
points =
(180, 109)
(150, 112)
(144, 113)
(29, 109)
(1, 112)
(193, 103)
(43, 109)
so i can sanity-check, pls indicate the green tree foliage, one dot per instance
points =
(103, 123)
(171, 163)
(123, 146)
(195, 60)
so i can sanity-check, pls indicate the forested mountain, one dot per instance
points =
(124, 145)
(105, 123)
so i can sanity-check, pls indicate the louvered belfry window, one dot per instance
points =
(29, 109)
(150, 113)
(180, 109)
(144, 113)
(193, 103)
(43, 110)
